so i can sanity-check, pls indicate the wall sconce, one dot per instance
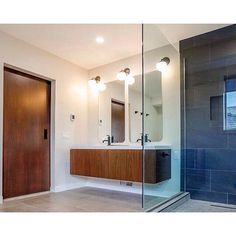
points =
(96, 84)
(162, 65)
(125, 75)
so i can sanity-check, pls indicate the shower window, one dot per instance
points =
(230, 103)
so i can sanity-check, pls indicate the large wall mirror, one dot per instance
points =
(112, 119)
(112, 112)
(153, 107)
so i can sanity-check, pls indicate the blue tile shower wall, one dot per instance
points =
(208, 168)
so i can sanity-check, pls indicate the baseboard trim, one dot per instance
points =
(26, 196)
(113, 187)
(62, 188)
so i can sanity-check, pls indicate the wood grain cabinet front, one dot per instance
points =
(111, 164)
(122, 164)
(125, 165)
(87, 162)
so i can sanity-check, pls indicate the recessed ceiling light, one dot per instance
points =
(100, 40)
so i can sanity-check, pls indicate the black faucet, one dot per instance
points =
(108, 140)
(139, 139)
(146, 139)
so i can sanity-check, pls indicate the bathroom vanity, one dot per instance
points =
(120, 115)
(121, 164)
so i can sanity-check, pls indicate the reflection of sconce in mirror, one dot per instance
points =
(96, 84)
(162, 65)
(125, 75)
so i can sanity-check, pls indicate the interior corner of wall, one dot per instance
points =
(1, 199)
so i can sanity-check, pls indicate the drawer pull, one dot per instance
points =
(164, 154)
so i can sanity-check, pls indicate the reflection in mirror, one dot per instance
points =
(153, 107)
(112, 112)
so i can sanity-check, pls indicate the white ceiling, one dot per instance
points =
(76, 42)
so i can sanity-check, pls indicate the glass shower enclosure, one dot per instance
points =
(208, 65)
(160, 118)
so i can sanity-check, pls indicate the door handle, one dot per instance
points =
(164, 154)
(45, 134)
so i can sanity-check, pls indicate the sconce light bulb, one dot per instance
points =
(130, 80)
(121, 75)
(92, 83)
(96, 85)
(102, 86)
(163, 64)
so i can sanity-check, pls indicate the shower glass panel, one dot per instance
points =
(209, 115)
(161, 118)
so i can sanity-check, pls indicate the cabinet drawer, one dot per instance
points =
(111, 164)
(125, 165)
(89, 163)
(157, 165)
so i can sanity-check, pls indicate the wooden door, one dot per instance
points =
(26, 134)
(117, 121)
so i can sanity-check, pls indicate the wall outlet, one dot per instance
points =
(72, 117)
(125, 183)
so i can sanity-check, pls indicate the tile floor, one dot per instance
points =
(150, 201)
(202, 206)
(78, 200)
(101, 200)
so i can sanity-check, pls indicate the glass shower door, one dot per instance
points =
(161, 118)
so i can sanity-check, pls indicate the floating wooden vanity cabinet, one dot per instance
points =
(125, 165)
(121, 164)
(157, 165)
(117, 164)
(89, 162)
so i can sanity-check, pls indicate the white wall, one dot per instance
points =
(70, 97)
(170, 109)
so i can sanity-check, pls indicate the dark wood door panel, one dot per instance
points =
(26, 150)
(117, 121)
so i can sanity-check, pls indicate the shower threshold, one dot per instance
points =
(170, 203)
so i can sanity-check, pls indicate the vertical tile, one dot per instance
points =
(209, 57)
(223, 181)
(208, 196)
(221, 159)
(232, 199)
(198, 179)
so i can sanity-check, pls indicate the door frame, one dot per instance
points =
(52, 125)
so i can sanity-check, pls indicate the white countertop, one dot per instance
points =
(152, 145)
